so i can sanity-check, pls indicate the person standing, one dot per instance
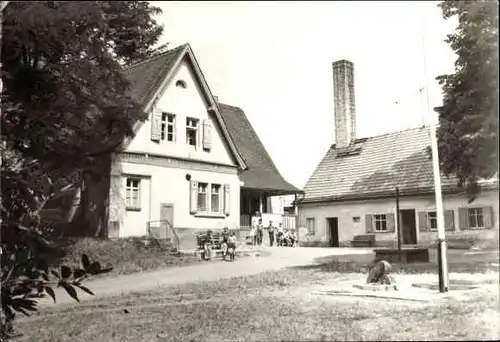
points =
(260, 232)
(280, 234)
(253, 235)
(271, 233)
(255, 219)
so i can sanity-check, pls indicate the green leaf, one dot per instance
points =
(71, 291)
(85, 261)
(105, 270)
(94, 268)
(78, 273)
(51, 293)
(83, 288)
(65, 272)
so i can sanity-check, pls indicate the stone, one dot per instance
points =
(379, 273)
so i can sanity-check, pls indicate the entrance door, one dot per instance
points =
(408, 227)
(167, 220)
(333, 228)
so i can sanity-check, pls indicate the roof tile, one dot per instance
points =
(147, 76)
(261, 173)
(385, 162)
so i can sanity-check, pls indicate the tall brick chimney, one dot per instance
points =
(344, 103)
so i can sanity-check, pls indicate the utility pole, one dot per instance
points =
(442, 253)
(398, 222)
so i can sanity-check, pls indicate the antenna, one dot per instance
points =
(426, 104)
(422, 108)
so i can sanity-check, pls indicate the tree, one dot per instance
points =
(65, 108)
(66, 101)
(468, 119)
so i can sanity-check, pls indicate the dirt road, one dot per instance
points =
(277, 258)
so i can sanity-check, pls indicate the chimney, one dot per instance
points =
(344, 103)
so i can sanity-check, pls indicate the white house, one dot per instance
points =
(194, 164)
(353, 189)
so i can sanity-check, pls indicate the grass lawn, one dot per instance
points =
(271, 306)
(126, 256)
(459, 261)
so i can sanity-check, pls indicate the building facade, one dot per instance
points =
(353, 189)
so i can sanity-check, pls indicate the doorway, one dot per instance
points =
(166, 220)
(408, 226)
(333, 228)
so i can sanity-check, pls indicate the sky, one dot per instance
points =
(274, 60)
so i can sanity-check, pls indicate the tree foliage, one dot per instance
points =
(66, 100)
(65, 108)
(468, 130)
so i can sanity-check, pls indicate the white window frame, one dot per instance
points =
(218, 193)
(382, 220)
(130, 204)
(192, 124)
(204, 193)
(165, 124)
(311, 229)
(208, 198)
(432, 217)
(475, 213)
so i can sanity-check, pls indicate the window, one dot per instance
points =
(133, 194)
(202, 197)
(432, 220)
(181, 84)
(191, 131)
(310, 225)
(167, 126)
(476, 218)
(215, 201)
(356, 219)
(380, 222)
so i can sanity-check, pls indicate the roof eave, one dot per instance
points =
(275, 192)
(389, 194)
(212, 105)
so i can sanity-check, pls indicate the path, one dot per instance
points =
(279, 258)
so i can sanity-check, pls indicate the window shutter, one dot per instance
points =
(369, 223)
(463, 218)
(193, 197)
(488, 217)
(423, 221)
(207, 135)
(156, 125)
(391, 224)
(449, 220)
(227, 199)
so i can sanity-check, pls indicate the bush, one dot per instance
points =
(127, 255)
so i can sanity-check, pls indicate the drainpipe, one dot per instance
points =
(296, 212)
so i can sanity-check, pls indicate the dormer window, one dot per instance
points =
(180, 83)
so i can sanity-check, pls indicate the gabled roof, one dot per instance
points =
(149, 77)
(146, 77)
(375, 166)
(261, 173)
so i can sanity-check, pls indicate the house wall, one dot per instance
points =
(169, 185)
(188, 102)
(345, 211)
(162, 167)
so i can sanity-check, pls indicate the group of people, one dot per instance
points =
(278, 235)
(228, 243)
